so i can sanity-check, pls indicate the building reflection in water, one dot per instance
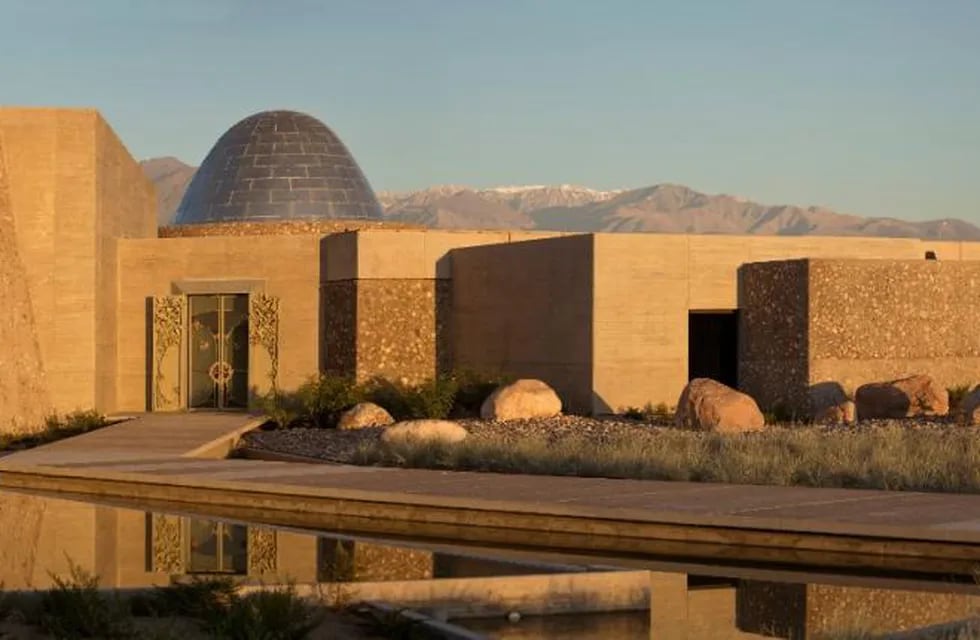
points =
(42, 537)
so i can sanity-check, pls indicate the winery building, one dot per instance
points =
(280, 265)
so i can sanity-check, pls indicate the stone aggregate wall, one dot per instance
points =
(394, 329)
(772, 361)
(884, 319)
(338, 331)
(285, 227)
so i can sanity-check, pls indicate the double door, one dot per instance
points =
(218, 351)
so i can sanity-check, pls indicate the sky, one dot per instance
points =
(865, 106)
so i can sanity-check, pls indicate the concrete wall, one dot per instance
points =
(642, 294)
(694, 273)
(525, 308)
(387, 300)
(71, 186)
(284, 266)
(125, 207)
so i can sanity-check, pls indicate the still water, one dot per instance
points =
(42, 537)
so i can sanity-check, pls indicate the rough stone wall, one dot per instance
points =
(338, 331)
(399, 336)
(290, 227)
(883, 319)
(773, 304)
(351, 561)
(24, 398)
(831, 609)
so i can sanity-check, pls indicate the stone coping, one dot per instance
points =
(278, 227)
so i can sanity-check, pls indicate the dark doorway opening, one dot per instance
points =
(712, 346)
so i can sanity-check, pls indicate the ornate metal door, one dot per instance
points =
(218, 351)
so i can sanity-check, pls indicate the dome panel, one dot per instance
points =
(278, 165)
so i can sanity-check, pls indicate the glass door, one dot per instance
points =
(218, 345)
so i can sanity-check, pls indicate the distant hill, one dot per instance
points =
(662, 208)
(171, 177)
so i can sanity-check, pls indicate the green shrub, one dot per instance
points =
(201, 598)
(650, 413)
(266, 615)
(75, 608)
(324, 397)
(472, 388)
(281, 408)
(434, 398)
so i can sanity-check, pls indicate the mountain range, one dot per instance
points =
(661, 208)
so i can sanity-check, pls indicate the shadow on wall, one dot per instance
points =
(443, 315)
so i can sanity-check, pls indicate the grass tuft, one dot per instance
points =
(892, 457)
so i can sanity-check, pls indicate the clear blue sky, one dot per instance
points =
(867, 106)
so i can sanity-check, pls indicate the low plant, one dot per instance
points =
(891, 457)
(473, 388)
(75, 608)
(269, 614)
(324, 397)
(433, 398)
(280, 407)
(661, 413)
(201, 598)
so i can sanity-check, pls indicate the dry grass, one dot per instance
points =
(891, 456)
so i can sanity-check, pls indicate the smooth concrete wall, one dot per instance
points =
(284, 266)
(125, 207)
(71, 187)
(525, 308)
(387, 300)
(642, 292)
(646, 284)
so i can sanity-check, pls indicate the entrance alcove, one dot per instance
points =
(215, 345)
(712, 345)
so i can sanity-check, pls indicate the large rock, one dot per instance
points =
(711, 406)
(521, 400)
(905, 398)
(424, 430)
(969, 410)
(363, 415)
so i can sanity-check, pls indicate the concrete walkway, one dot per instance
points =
(168, 462)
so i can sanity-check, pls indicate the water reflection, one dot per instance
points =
(41, 537)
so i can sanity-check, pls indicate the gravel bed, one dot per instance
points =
(332, 445)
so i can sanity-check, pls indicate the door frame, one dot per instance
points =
(221, 356)
(211, 286)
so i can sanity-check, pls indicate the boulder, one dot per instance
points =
(521, 400)
(969, 410)
(363, 415)
(917, 395)
(425, 430)
(708, 405)
(843, 412)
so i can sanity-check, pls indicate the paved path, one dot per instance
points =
(155, 459)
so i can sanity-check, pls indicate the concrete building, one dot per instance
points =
(280, 266)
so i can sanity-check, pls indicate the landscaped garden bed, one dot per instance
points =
(911, 455)
(926, 453)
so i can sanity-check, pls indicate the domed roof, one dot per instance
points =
(278, 165)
